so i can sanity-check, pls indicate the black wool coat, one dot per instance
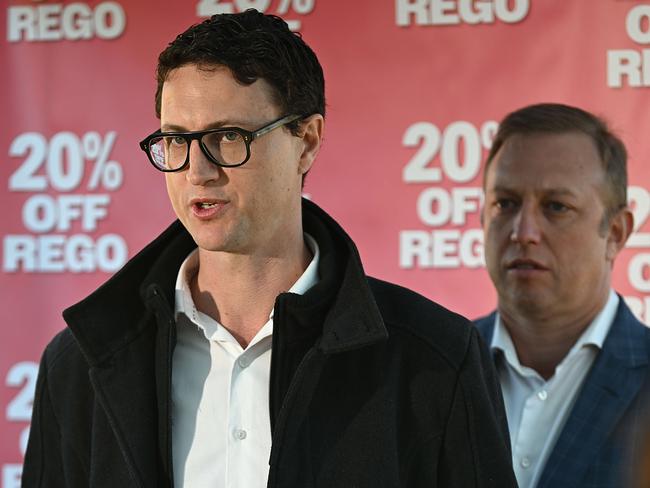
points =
(372, 385)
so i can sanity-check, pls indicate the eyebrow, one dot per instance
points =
(554, 192)
(213, 125)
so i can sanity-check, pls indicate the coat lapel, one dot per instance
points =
(610, 388)
(123, 387)
(125, 331)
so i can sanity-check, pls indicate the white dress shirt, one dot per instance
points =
(537, 409)
(221, 428)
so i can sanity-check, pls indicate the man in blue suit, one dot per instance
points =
(572, 359)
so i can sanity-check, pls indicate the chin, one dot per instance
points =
(206, 240)
(532, 304)
(210, 247)
(220, 243)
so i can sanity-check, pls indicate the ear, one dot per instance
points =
(311, 132)
(619, 229)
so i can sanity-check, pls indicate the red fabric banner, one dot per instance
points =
(414, 88)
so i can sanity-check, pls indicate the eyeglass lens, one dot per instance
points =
(226, 147)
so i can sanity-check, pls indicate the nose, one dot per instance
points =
(526, 226)
(201, 170)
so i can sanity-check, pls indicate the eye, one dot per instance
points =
(230, 136)
(505, 204)
(556, 207)
(177, 140)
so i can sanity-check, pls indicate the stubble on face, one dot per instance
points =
(545, 251)
(257, 199)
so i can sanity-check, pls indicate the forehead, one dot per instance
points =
(195, 90)
(546, 161)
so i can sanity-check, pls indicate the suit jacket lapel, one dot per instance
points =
(485, 326)
(609, 389)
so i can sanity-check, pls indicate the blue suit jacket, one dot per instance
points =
(592, 449)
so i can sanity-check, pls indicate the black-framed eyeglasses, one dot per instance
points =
(228, 147)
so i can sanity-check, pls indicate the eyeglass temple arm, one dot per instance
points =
(283, 121)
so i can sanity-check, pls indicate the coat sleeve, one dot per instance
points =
(43, 461)
(475, 450)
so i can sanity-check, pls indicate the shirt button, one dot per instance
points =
(244, 362)
(240, 434)
(525, 462)
(542, 395)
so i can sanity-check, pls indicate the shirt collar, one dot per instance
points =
(594, 334)
(184, 304)
(599, 328)
(310, 276)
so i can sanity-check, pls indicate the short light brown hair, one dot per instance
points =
(556, 118)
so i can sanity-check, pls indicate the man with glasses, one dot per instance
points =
(245, 346)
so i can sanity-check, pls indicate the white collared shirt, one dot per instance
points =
(538, 409)
(221, 428)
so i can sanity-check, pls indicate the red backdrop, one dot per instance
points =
(414, 90)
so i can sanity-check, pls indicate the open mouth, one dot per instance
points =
(525, 264)
(206, 209)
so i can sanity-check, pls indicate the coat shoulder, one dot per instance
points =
(65, 367)
(447, 333)
(61, 350)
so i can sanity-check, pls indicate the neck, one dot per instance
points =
(239, 290)
(542, 342)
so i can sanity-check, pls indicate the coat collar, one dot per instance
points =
(116, 313)
(353, 318)
(120, 310)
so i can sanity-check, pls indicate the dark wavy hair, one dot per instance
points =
(253, 46)
(557, 118)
